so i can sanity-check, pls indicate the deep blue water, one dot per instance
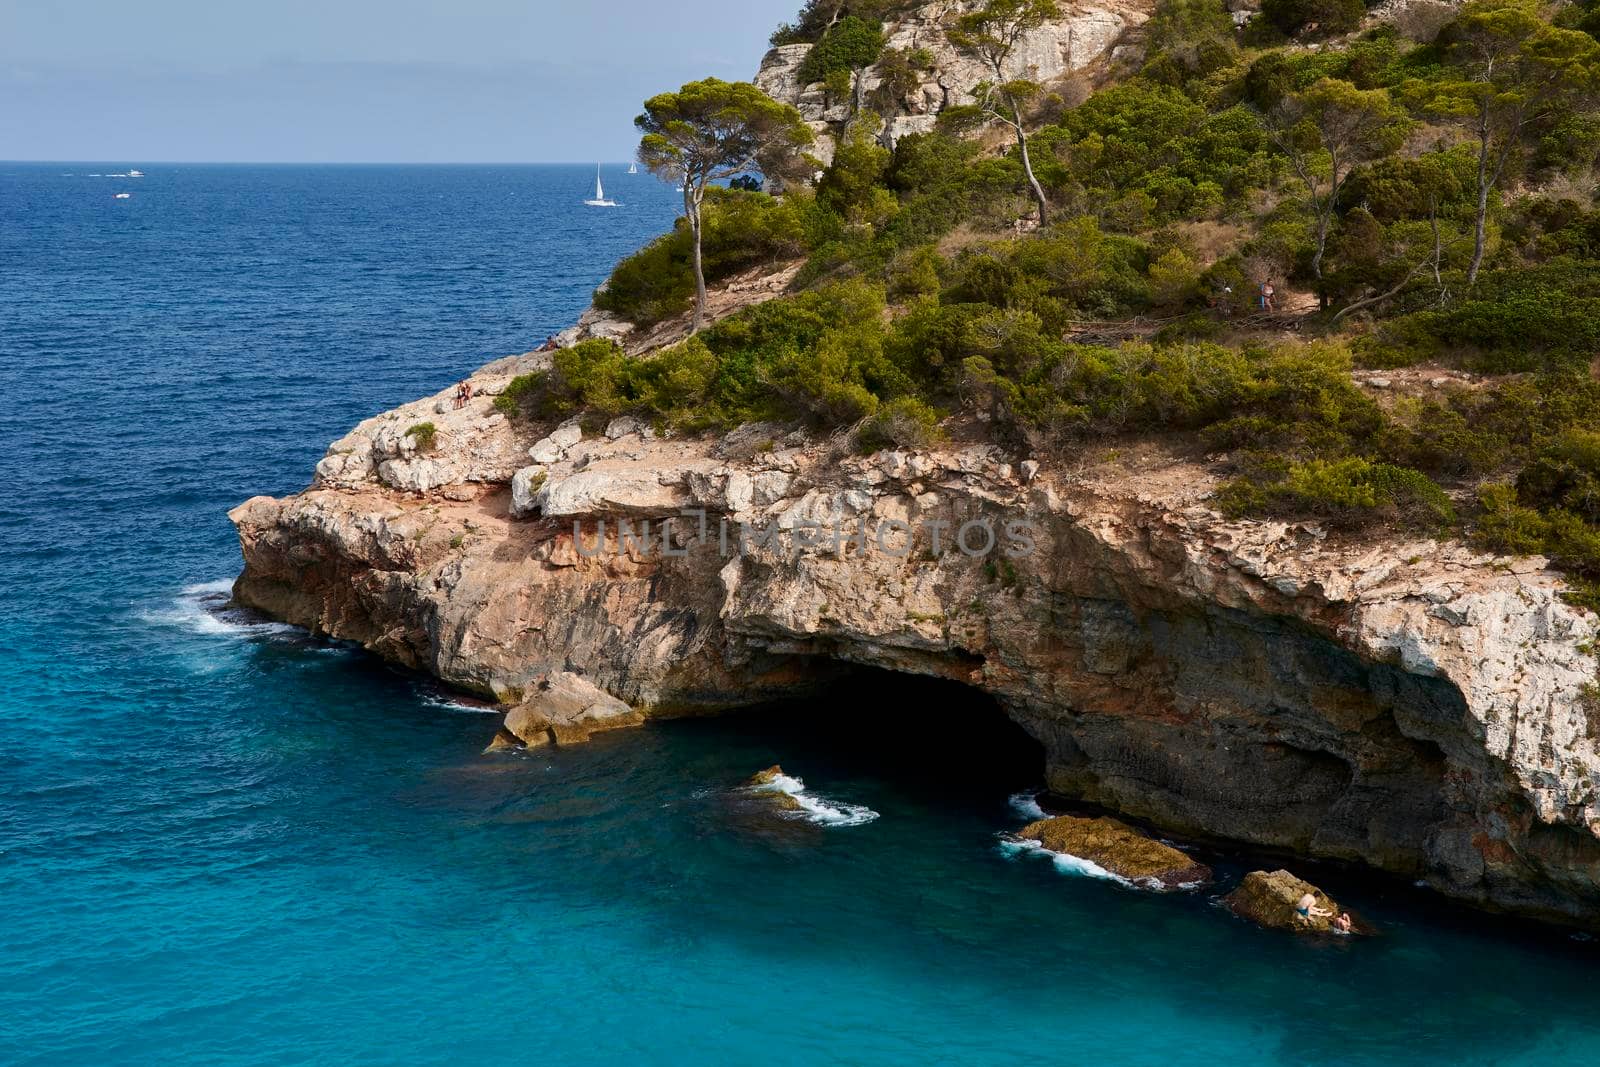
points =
(232, 844)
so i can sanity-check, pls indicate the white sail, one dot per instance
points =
(599, 192)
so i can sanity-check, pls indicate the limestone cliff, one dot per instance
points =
(1085, 34)
(1415, 707)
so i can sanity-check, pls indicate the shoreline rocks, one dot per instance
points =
(1118, 848)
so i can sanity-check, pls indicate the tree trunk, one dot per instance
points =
(1480, 224)
(1316, 258)
(693, 194)
(1027, 167)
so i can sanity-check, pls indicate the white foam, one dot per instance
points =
(199, 609)
(459, 707)
(814, 808)
(1025, 805)
(1067, 863)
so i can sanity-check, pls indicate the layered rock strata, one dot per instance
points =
(1411, 705)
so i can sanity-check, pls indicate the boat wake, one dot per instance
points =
(206, 609)
(812, 808)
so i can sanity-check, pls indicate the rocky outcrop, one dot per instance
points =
(1116, 847)
(564, 708)
(1271, 898)
(1083, 35)
(1411, 705)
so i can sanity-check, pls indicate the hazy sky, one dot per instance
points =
(355, 80)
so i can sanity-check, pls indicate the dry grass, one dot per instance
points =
(1209, 241)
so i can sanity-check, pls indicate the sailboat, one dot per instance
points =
(633, 168)
(599, 192)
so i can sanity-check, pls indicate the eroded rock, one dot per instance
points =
(1119, 848)
(566, 708)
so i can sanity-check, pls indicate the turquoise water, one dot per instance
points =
(223, 842)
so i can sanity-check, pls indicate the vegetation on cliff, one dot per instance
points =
(1417, 194)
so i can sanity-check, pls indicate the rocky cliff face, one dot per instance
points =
(1414, 707)
(1083, 35)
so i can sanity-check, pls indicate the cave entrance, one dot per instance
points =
(932, 737)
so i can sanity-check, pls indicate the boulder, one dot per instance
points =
(525, 485)
(1119, 848)
(556, 445)
(503, 739)
(1268, 899)
(566, 708)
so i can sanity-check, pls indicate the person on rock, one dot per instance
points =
(1307, 908)
(1342, 924)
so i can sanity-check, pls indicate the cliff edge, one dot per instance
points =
(1417, 707)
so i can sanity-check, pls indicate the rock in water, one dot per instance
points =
(770, 784)
(503, 739)
(1268, 898)
(1119, 848)
(567, 708)
(766, 777)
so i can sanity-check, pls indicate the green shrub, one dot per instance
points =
(1323, 18)
(1342, 490)
(424, 434)
(848, 45)
(741, 230)
(904, 422)
(1174, 280)
(914, 272)
(1515, 332)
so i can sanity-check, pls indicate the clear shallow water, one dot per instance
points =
(222, 844)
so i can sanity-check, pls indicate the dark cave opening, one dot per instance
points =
(928, 735)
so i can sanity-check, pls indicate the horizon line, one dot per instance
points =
(123, 161)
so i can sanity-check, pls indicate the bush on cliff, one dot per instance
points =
(742, 230)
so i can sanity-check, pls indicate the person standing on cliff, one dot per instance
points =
(1267, 293)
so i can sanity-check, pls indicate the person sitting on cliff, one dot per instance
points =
(1306, 908)
(1342, 924)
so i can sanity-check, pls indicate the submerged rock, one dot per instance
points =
(1118, 848)
(1268, 898)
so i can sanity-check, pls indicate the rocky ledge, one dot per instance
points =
(1413, 706)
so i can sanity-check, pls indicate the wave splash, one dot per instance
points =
(1065, 862)
(204, 608)
(1026, 804)
(813, 808)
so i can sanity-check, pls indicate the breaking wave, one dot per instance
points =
(205, 608)
(1026, 805)
(813, 808)
(1064, 862)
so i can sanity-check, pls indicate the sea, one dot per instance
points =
(224, 841)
